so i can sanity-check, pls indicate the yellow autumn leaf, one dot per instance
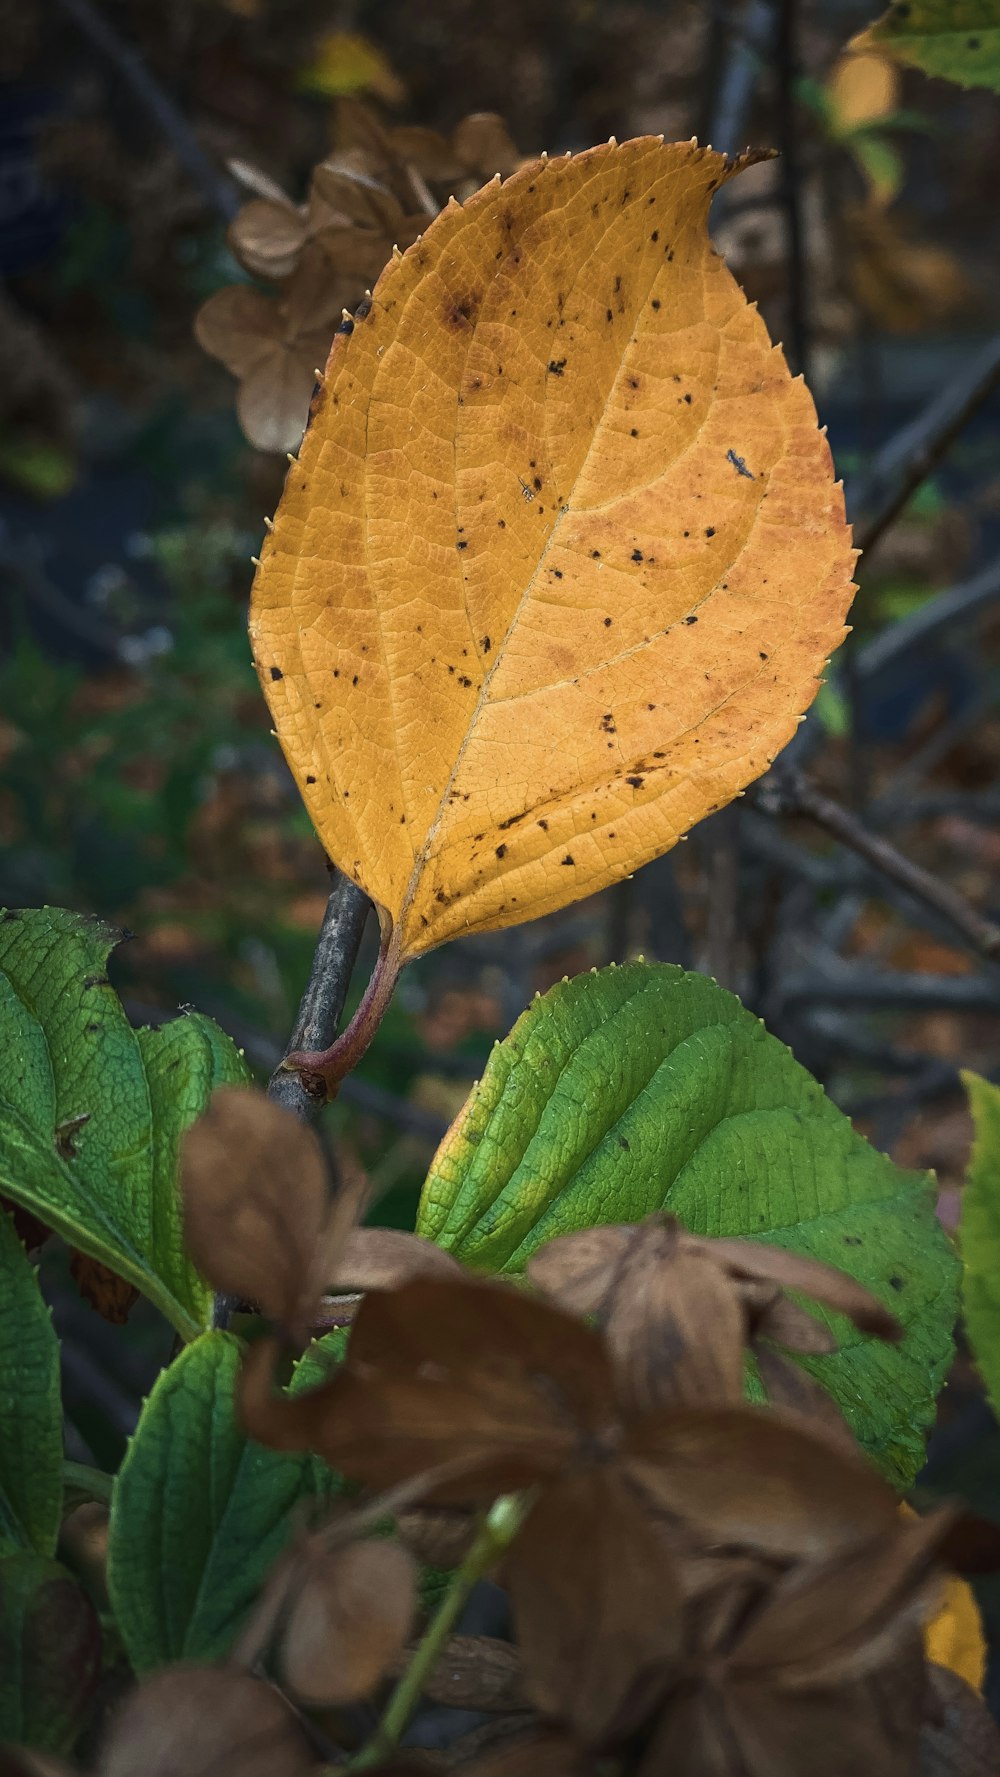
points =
(562, 558)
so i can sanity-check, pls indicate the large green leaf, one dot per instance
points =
(50, 1653)
(31, 1479)
(200, 1512)
(645, 1088)
(91, 1111)
(955, 39)
(980, 1233)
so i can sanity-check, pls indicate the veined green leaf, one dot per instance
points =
(645, 1088)
(200, 1512)
(91, 1111)
(954, 39)
(31, 1486)
(979, 1233)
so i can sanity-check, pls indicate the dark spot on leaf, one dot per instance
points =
(739, 464)
(896, 1283)
(691, 619)
(568, 859)
(710, 530)
(544, 826)
(607, 622)
(486, 644)
(637, 555)
(636, 782)
(655, 235)
(556, 366)
(354, 679)
(310, 780)
(656, 302)
(501, 851)
(276, 672)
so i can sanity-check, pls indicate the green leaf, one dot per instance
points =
(954, 39)
(92, 1112)
(200, 1512)
(645, 1088)
(50, 1653)
(31, 1488)
(979, 1233)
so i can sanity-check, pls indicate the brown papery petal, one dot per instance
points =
(350, 1618)
(549, 1754)
(789, 1386)
(824, 1283)
(747, 1477)
(839, 1619)
(694, 1739)
(205, 1721)
(385, 1258)
(597, 1604)
(788, 1324)
(428, 152)
(578, 1270)
(256, 1202)
(267, 237)
(674, 1326)
(273, 402)
(481, 143)
(383, 1429)
(239, 326)
(959, 1736)
(867, 1729)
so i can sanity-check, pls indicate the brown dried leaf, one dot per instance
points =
(349, 1619)
(478, 1672)
(112, 1297)
(438, 1537)
(205, 1721)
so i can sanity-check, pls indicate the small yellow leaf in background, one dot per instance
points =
(954, 1636)
(563, 557)
(863, 88)
(346, 63)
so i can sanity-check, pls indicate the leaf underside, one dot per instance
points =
(562, 558)
(645, 1088)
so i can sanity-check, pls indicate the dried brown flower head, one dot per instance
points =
(678, 1310)
(261, 1223)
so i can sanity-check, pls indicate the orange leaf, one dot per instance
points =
(562, 558)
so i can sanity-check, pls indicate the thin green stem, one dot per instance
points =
(91, 1481)
(497, 1532)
